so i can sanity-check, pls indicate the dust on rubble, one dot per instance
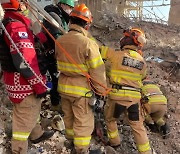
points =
(162, 53)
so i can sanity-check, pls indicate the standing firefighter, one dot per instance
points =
(155, 105)
(73, 85)
(126, 71)
(24, 87)
(60, 13)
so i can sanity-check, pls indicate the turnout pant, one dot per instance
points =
(25, 124)
(135, 119)
(79, 121)
(157, 112)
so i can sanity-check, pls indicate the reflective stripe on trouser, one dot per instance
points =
(112, 135)
(82, 141)
(25, 115)
(21, 136)
(69, 133)
(75, 90)
(79, 116)
(143, 147)
(138, 128)
(157, 114)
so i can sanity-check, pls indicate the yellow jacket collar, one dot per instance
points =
(78, 29)
(130, 47)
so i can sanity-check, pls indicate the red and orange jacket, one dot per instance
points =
(22, 82)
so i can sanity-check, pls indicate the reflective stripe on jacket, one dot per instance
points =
(85, 52)
(154, 94)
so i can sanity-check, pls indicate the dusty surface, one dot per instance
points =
(163, 43)
(174, 12)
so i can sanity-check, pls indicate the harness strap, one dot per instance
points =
(118, 87)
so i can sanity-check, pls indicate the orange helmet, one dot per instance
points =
(137, 35)
(81, 11)
(10, 4)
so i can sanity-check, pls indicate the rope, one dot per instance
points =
(89, 78)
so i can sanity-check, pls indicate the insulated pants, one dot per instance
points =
(24, 123)
(79, 121)
(135, 120)
(156, 115)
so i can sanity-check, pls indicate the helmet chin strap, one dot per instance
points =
(87, 26)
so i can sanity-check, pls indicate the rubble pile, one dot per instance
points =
(162, 53)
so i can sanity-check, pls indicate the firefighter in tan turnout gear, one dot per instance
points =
(126, 71)
(73, 85)
(155, 105)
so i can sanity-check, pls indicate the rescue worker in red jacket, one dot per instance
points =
(155, 106)
(73, 85)
(24, 88)
(126, 71)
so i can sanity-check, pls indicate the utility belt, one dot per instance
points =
(120, 87)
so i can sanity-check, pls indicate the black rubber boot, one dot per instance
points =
(46, 135)
(153, 127)
(165, 131)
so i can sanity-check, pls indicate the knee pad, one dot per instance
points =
(133, 112)
(119, 109)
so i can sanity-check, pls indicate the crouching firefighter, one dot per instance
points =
(154, 104)
(126, 72)
(73, 84)
(24, 82)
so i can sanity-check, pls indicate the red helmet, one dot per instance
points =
(10, 4)
(81, 11)
(137, 35)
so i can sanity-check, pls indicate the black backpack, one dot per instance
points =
(6, 60)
